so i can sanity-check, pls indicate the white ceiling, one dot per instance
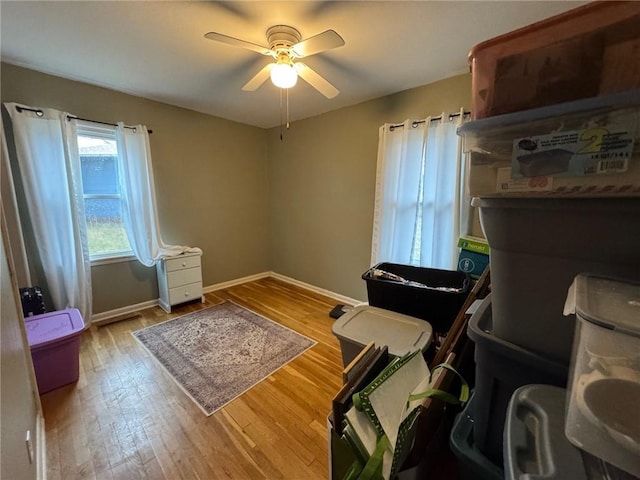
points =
(157, 49)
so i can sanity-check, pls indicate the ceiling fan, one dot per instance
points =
(286, 46)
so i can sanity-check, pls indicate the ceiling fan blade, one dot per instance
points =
(236, 42)
(316, 81)
(259, 78)
(319, 43)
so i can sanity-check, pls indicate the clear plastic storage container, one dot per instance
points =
(585, 148)
(603, 412)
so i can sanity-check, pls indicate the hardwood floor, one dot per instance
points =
(127, 419)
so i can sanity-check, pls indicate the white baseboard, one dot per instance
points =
(122, 313)
(327, 293)
(237, 281)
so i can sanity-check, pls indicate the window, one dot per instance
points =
(420, 207)
(103, 204)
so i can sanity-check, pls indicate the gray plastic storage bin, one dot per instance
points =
(536, 447)
(472, 464)
(538, 246)
(502, 367)
(534, 442)
(364, 324)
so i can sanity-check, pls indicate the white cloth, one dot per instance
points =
(49, 162)
(139, 199)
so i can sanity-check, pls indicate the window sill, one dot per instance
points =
(108, 260)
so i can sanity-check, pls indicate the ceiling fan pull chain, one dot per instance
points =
(288, 109)
(281, 121)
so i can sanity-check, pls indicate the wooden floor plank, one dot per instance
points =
(126, 418)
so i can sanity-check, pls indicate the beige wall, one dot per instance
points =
(322, 184)
(209, 175)
(311, 221)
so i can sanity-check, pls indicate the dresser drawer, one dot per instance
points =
(181, 262)
(185, 293)
(186, 276)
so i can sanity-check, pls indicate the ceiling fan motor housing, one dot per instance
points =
(282, 37)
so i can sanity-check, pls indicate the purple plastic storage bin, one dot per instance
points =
(54, 339)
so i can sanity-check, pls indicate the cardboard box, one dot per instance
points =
(474, 255)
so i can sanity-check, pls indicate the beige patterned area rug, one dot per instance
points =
(218, 353)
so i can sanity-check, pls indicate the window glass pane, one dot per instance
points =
(97, 144)
(99, 174)
(98, 156)
(105, 228)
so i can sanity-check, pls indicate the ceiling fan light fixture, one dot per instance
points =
(284, 75)
(285, 46)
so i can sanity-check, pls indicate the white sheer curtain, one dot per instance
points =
(49, 163)
(397, 187)
(138, 197)
(421, 207)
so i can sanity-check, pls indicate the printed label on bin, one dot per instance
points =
(592, 151)
(474, 244)
(504, 182)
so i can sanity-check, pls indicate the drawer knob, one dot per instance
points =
(186, 293)
(184, 264)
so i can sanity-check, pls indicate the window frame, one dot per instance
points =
(106, 132)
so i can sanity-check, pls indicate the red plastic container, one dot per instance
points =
(585, 52)
(54, 339)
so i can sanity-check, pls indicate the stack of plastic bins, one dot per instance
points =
(542, 232)
(545, 230)
(502, 367)
(538, 246)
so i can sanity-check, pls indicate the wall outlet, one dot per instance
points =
(29, 446)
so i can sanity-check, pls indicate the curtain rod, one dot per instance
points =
(71, 117)
(415, 123)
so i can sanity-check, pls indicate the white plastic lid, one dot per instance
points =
(401, 333)
(607, 302)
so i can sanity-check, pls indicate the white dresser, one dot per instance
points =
(179, 280)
